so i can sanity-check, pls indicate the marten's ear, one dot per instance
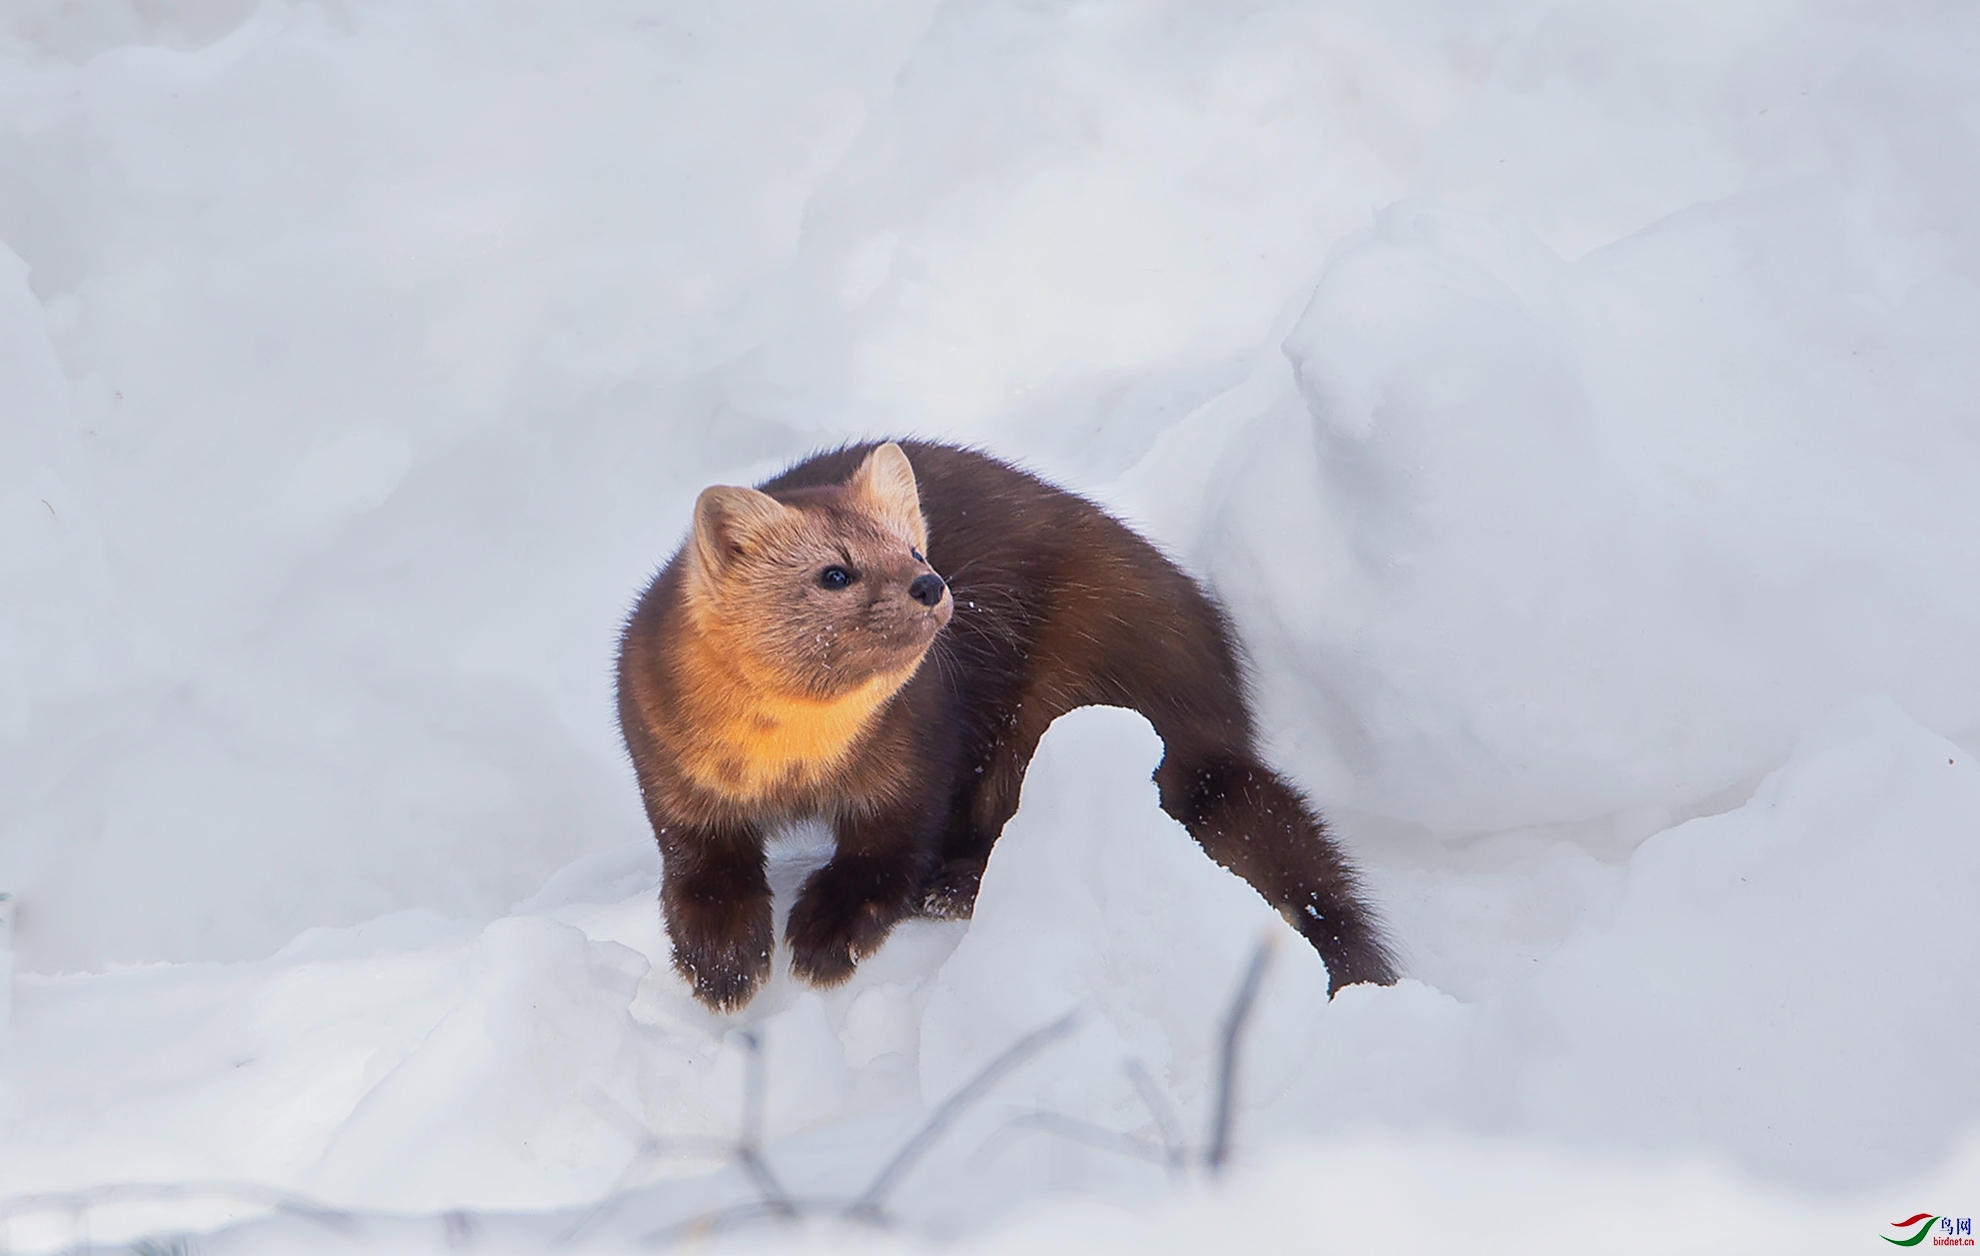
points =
(730, 522)
(885, 483)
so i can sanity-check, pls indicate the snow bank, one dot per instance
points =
(1551, 541)
(1402, 1195)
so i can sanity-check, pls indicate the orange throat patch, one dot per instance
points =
(753, 742)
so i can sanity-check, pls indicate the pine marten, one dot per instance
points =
(880, 635)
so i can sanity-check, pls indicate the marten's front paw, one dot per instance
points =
(830, 933)
(722, 949)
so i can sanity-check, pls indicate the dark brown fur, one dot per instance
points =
(1056, 605)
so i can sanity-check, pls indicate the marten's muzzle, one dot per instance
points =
(928, 590)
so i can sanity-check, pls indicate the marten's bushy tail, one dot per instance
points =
(1253, 822)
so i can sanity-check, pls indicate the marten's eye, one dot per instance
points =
(917, 556)
(836, 577)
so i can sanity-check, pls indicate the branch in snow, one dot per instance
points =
(867, 1206)
(1235, 1021)
(1171, 1150)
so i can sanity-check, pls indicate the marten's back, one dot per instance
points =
(1057, 603)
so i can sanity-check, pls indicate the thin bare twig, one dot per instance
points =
(1078, 1131)
(722, 1220)
(1173, 1151)
(867, 1207)
(646, 1149)
(77, 1204)
(749, 1148)
(1158, 1107)
(1218, 1151)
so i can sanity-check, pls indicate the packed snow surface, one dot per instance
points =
(1574, 403)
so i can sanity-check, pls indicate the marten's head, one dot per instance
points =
(825, 591)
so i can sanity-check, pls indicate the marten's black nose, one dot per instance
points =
(927, 589)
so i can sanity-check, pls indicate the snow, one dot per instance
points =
(1572, 402)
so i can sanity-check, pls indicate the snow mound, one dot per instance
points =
(1095, 899)
(1744, 963)
(1804, 945)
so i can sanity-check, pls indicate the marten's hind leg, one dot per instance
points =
(985, 798)
(949, 893)
(1251, 821)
